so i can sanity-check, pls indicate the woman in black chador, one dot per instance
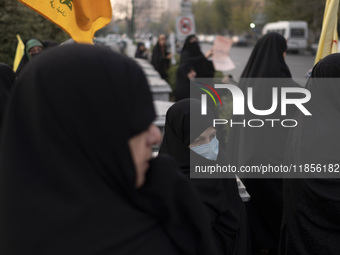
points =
(200, 145)
(161, 57)
(311, 218)
(192, 54)
(76, 170)
(263, 145)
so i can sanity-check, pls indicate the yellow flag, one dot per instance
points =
(18, 54)
(328, 42)
(79, 18)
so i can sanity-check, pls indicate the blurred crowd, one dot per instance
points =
(77, 174)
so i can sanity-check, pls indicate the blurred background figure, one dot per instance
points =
(311, 215)
(185, 74)
(33, 47)
(199, 144)
(161, 57)
(266, 145)
(7, 78)
(141, 51)
(191, 54)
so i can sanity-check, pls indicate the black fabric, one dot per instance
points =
(160, 61)
(266, 59)
(311, 222)
(67, 178)
(191, 54)
(7, 78)
(140, 53)
(182, 90)
(221, 197)
(249, 146)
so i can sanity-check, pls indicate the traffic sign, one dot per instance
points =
(185, 25)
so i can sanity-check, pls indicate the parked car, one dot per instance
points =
(239, 41)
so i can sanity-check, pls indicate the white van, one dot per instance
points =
(295, 32)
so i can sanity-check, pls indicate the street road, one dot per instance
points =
(298, 64)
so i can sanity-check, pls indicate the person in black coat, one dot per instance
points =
(311, 215)
(161, 57)
(76, 168)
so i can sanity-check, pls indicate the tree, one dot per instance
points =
(203, 13)
(221, 16)
(15, 18)
(133, 11)
(308, 10)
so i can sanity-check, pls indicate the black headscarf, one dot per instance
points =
(191, 47)
(311, 222)
(192, 54)
(67, 178)
(139, 53)
(266, 59)
(249, 146)
(220, 196)
(159, 60)
(7, 78)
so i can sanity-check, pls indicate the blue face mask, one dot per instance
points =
(208, 150)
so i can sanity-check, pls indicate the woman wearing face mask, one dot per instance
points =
(199, 144)
(76, 171)
(192, 54)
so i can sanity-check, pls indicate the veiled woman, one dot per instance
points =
(191, 54)
(161, 57)
(253, 146)
(75, 165)
(198, 144)
(311, 221)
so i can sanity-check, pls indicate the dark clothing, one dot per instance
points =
(221, 197)
(182, 90)
(192, 54)
(141, 53)
(311, 222)
(67, 179)
(266, 59)
(248, 146)
(7, 78)
(160, 61)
